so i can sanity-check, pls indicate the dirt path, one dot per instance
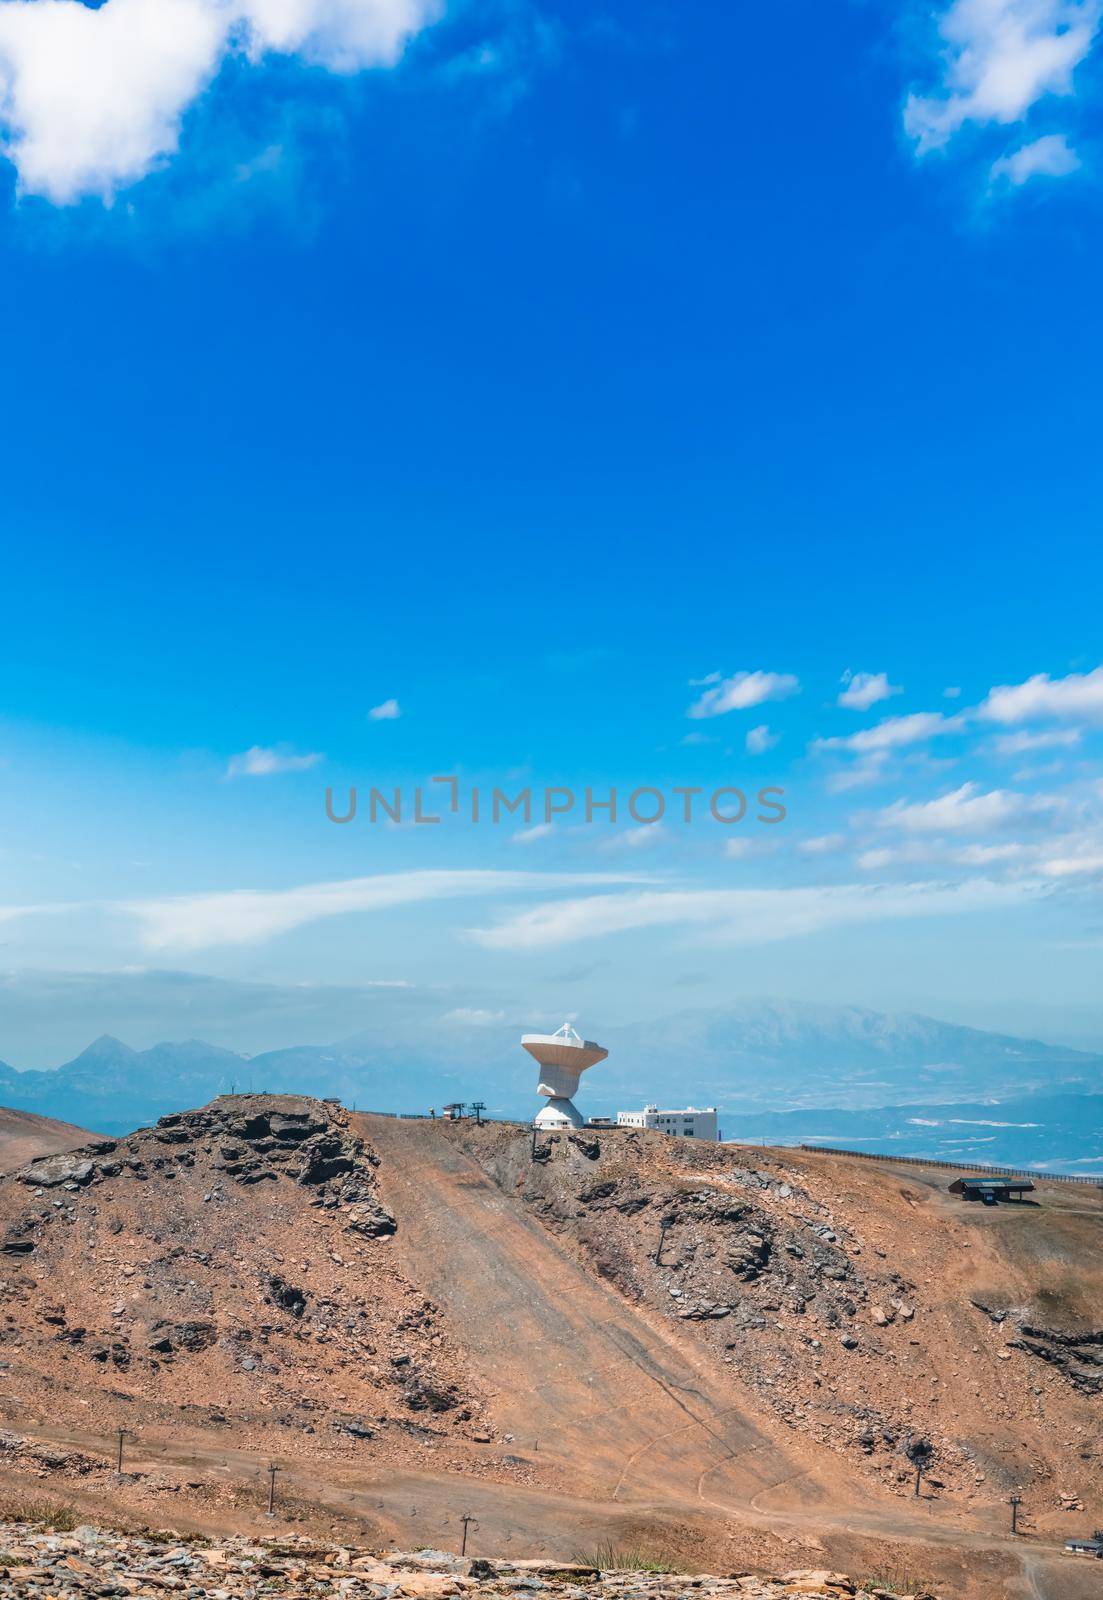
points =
(578, 1376)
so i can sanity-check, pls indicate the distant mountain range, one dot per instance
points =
(776, 1069)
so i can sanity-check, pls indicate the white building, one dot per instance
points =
(691, 1123)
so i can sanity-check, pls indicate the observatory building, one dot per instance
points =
(562, 1058)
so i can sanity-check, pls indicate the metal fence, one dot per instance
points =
(955, 1166)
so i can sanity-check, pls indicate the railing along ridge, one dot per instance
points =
(979, 1168)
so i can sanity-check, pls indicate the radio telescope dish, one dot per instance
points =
(562, 1058)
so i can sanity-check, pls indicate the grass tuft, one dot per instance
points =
(41, 1514)
(610, 1557)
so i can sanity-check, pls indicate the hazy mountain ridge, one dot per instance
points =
(764, 1052)
(757, 1061)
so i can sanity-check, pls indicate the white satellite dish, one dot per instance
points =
(562, 1057)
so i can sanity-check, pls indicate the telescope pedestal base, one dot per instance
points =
(559, 1113)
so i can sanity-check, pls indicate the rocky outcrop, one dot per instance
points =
(69, 1169)
(248, 1139)
(1076, 1354)
(97, 1561)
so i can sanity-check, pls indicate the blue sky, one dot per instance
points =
(527, 366)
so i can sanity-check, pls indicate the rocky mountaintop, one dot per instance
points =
(231, 1260)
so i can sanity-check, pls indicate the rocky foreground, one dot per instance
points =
(93, 1561)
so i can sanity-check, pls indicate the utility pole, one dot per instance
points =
(272, 1470)
(920, 1453)
(666, 1223)
(1015, 1502)
(119, 1453)
(467, 1521)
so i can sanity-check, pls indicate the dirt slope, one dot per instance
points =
(866, 1309)
(24, 1135)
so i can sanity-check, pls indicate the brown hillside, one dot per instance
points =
(863, 1306)
(24, 1135)
(415, 1321)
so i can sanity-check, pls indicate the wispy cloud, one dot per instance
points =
(874, 746)
(822, 844)
(894, 733)
(474, 1017)
(387, 711)
(1051, 156)
(929, 851)
(538, 831)
(742, 916)
(998, 59)
(741, 691)
(1017, 744)
(760, 739)
(247, 916)
(966, 809)
(261, 761)
(1076, 697)
(641, 838)
(865, 689)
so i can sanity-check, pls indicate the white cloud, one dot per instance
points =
(473, 1017)
(1051, 156)
(91, 100)
(389, 711)
(1017, 744)
(1073, 866)
(1080, 696)
(966, 809)
(953, 692)
(885, 856)
(641, 838)
(865, 689)
(825, 844)
(923, 851)
(740, 692)
(743, 916)
(246, 916)
(760, 739)
(539, 830)
(989, 855)
(261, 762)
(1000, 58)
(894, 733)
(1077, 854)
(869, 770)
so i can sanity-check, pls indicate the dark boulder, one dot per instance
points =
(286, 1296)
